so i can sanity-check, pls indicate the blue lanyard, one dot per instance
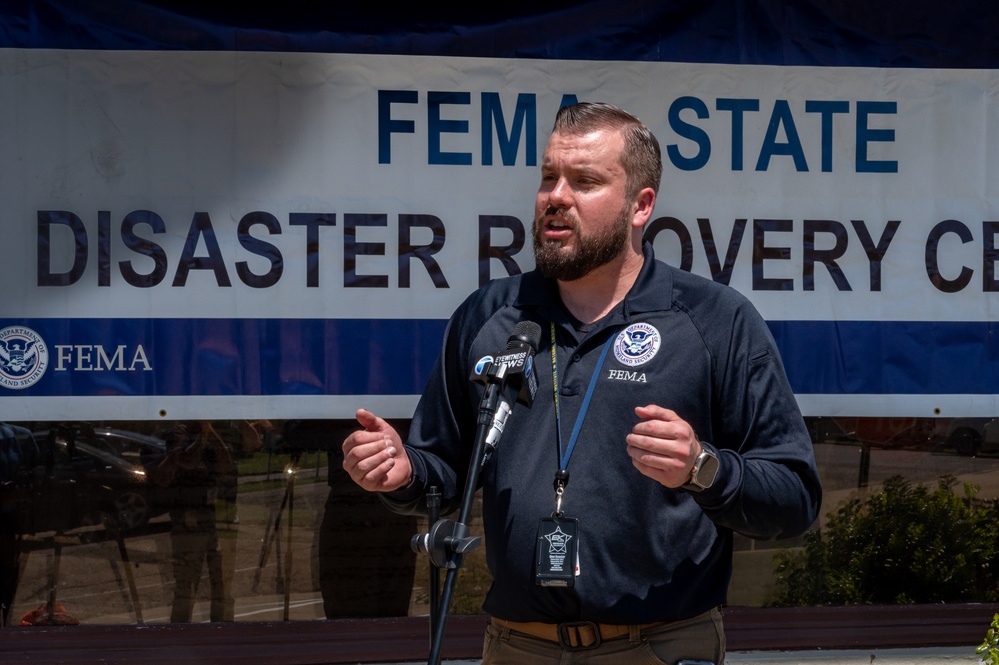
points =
(564, 456)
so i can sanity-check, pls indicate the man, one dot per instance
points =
(195, 466)
(363, 565)
(687, 431)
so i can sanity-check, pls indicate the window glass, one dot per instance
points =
(907, 516)
(151, 522)
(194, 521)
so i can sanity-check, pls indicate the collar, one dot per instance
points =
(651, 292)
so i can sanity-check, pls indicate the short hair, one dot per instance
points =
(642, 159)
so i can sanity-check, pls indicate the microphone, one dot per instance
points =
(509, 377)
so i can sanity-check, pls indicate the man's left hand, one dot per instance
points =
(663, 446)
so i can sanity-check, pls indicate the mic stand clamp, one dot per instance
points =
(446, 539)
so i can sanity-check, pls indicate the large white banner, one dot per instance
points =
(283, 234)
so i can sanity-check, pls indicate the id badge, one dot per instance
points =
(557, 558)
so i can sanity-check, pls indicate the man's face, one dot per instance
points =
(582, 214)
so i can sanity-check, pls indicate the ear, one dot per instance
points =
(644, 203)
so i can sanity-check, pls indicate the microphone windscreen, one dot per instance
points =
(528, 332)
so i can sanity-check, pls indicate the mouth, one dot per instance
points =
(555, 224)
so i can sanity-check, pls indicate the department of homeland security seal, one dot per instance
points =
(637, 344)
(24, 357)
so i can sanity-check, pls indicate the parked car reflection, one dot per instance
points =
(90, 476)
(990, 437)
(963, 436)
(967, 435)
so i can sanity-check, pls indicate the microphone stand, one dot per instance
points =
(434, 514)
(448, 541)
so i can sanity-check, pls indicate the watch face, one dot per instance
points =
(706, 470)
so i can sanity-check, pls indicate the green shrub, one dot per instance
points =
(989, 648)
(905, 544)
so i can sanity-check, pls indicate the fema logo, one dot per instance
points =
(484, 362)
(637, 344)
(23, 357)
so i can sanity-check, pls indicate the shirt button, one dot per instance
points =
(576, 358)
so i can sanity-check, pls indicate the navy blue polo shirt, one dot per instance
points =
(646, 552)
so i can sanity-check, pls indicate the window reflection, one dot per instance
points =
(193, 521)
(256, 521)
(867, 461)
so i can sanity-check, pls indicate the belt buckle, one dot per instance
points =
(566, 630)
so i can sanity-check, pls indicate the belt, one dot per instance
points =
(574, 635)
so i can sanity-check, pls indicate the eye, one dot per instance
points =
(548, 180)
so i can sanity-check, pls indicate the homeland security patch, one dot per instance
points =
(23, 357)
(637, 344)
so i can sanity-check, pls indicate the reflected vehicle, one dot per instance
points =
(990, 437)
(964, 436)
(95, 476)
(138, 449)
(896, 432)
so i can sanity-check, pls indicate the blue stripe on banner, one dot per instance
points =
(889, 357)
(96, 357)
(109, 357)
(767, 32)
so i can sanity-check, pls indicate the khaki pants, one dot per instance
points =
(700, 638)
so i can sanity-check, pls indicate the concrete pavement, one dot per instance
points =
(928, 656)
(858, 657)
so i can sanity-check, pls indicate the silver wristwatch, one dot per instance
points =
(702, 476)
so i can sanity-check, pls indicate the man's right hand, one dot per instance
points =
(375, 457)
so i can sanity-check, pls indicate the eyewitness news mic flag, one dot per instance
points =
(284, 233)
(509, 377)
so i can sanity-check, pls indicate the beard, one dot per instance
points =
(590, 253)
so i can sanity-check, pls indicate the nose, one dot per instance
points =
(560, 194)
